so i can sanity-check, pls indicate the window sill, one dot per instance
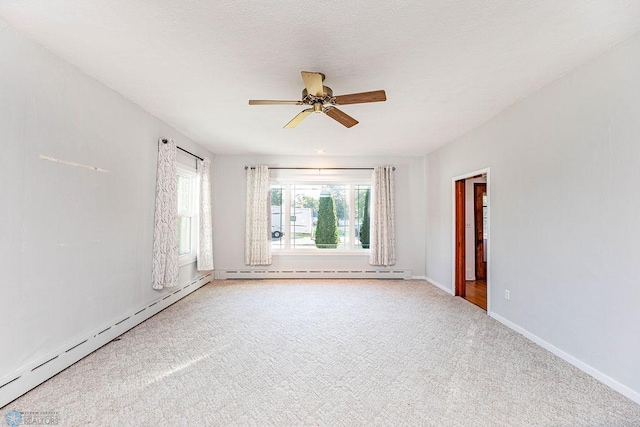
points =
(186, 260)
(321, 252)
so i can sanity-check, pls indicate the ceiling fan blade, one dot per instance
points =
(313, 83)
(341, 117)
(297, 119)
(271, 102)
(361, 98)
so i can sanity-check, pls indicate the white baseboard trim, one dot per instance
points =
(441, 286)
(261, 273)
(418, 277)
(603, 378)
(15, 385)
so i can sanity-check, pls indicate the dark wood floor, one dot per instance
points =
(476, 292)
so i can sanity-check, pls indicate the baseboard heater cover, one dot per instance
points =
(313, 274)
(18, 383)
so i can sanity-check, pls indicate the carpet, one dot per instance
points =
(326, 352)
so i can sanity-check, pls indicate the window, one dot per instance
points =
(187, 214)
(321, 216)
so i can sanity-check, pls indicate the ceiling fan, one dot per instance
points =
(321, 100)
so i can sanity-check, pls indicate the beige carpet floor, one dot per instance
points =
(313, 352)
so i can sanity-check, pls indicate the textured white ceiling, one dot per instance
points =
(447, 66)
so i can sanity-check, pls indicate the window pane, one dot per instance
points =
(184, 235)
(304, 215)
(319, 216)
(363, 219)
(184, 194)
(340, 195)
(277, 224)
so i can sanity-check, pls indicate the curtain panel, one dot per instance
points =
(257, 248)
(205, 238)
(165, 231)
(383, 234)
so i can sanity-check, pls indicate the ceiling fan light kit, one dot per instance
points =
(321, 100)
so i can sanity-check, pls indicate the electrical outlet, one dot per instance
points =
(506, 294)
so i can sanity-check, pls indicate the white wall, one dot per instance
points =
(75, 252)
(470, 226)
(565, 163)
(229, 210)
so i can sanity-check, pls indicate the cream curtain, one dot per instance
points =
(205, 240)
(257, 247)
(165, 232)
(383, 234)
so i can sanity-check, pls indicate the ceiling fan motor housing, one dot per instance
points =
(326, 98)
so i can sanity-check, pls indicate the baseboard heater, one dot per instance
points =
(20, 382)
(313, 274)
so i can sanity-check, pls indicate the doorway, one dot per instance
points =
(480, 228)
(471, 237)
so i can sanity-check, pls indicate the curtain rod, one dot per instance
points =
(164, 141)
(317, 169)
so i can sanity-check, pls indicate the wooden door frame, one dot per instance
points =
(458, 233)
(459, 241)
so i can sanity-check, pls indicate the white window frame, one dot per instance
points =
(191, 173)
(349, 182)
